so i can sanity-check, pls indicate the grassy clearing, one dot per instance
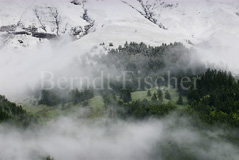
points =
(96, 105)
(46, 113)
(140, 95)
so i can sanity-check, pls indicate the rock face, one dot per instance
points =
(21, 32)
(43, 35)
(75, 2)
(44, 20)
(9, 28)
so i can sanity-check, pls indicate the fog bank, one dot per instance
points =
(108, 139)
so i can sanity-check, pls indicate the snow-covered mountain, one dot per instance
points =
(28, 22)
(38, 35)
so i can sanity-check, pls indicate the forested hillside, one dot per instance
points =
(216, 99)
(14, 114)
(155, 92)
(213, 95)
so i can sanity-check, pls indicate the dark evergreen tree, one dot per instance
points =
(167, 95)
(125, 95)
(180, 100)
(49, 98)
(143, 109)
(49, 158)
(154, 97)
(160, 94)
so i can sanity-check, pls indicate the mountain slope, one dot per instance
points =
(43, 35)
(152, 21)
(14, 114)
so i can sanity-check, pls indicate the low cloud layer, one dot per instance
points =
(74, 139)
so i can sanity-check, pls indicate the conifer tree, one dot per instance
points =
(154, 97)
(180, 100)
(167, 95)
(160, 94)
(149, 93)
